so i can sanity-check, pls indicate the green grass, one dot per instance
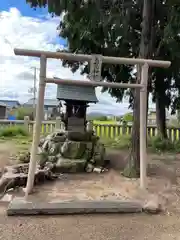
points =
(155, 144)
(13, 131)
(15, 145)
(121, 143)
(105, 122)
(21, 142)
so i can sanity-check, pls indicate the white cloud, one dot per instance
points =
(16, 73)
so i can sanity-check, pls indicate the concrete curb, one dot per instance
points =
(20, 207)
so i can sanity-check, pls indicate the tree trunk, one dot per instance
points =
(161, 115)
(178, 115)
(178, 110)
(132, 168)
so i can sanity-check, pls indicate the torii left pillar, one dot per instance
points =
(37, 126)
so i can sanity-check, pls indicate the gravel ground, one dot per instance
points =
(97, 227)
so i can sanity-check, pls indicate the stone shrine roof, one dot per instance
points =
(78, 93)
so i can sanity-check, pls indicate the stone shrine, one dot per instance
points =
(76, 100)
(75, 148)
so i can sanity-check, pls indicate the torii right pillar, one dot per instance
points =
(143, 127)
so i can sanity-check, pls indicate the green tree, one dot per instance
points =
(101, 118)
(128, 117)
(116, 30)
(21, 112)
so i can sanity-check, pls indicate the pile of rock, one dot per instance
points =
(71, 152)
(16, 176)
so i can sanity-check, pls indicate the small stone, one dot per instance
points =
(41, 142)
(104, 170)
(52, 159)
(24, 157)
(49, 137)
(97, 169)
(39, 150)
(7, 198)
(64, 147)
(65, 165)
(49, 165)
(45, 145)
(92, 161)
(152, 207)
(32, 190)
(89, 168)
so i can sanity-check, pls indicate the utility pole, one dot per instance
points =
(34, 90)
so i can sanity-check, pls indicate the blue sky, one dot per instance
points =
(23, 7)
(23, 27)
(26, 10)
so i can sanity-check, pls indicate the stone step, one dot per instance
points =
(21, 207)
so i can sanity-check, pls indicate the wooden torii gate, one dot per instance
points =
(44, 55)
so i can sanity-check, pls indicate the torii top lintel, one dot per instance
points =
(82, 57)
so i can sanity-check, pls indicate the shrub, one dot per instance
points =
(13, 131)
(21, 112)
(159, 144)
(128, 117)
(155, 144)
(177, 146)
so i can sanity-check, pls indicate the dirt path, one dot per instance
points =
(6, 150)
(10, 148)
(97, 227)
(164, 179)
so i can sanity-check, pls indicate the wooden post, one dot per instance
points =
(26, 123)
(124, 127)
(89, 125)
(58, 123)
(143, 128)
(37, 126)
